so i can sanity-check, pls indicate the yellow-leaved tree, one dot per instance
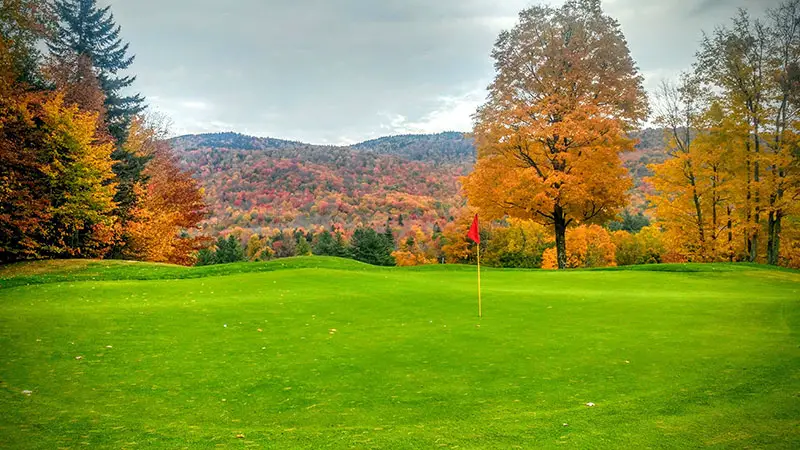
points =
(549, 136)
(730, 190)
(416, 249)
(697, 200)
(80, 182)
(520, 243)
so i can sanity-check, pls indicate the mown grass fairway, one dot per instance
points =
(671, 359)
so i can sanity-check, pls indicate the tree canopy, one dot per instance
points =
(550, 134)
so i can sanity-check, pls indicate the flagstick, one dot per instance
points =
(480, 313)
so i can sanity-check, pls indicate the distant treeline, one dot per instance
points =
(512, 244)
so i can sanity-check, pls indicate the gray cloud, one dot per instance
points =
(330, 71)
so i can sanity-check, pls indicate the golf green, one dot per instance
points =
(328, 353)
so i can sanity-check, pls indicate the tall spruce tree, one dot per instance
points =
(372, 248)
(85, 30)
(323, 244)
(340, 247)
(388, 236)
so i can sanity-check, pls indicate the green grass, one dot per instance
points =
(678, 356)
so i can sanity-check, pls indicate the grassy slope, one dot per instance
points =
(671, 360)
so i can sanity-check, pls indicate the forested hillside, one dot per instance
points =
(265, 184)
(650, 149)
(438, 149)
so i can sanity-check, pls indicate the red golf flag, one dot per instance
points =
(474, 234)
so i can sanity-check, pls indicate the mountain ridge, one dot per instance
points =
(369, 143)
(410, 180)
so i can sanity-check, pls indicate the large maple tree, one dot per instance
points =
(566, 92)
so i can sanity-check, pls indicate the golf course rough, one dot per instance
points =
(329, 353)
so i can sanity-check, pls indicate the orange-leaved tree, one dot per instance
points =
(166, 219)
(549, 137)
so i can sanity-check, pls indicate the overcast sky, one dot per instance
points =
(342, 71)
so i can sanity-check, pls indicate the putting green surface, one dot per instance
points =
(326, 353)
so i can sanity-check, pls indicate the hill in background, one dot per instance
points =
(264, 183)
(409, 180)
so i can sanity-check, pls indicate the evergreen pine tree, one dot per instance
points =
(370, 247)
(303, 247)
(220, 254)
(84, 30)
(340, 247)
(388, 236)
(630, 223)
(205, 257)
(324, 244)
(229, 250)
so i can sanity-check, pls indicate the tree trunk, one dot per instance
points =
(697, 209)
(770, 237)
(756, 179)
(775, 216)
(714, 226)
(560, 223)
(774, 238)
(776, 246)
(748, 242)
(730, 234)
(699, 213)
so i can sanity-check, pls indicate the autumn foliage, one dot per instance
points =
(730, 190)
(549, 137)
(171, 208)
(587, 246)
(263, 184)
(59, 182)
(83, 173)
(417, 249)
